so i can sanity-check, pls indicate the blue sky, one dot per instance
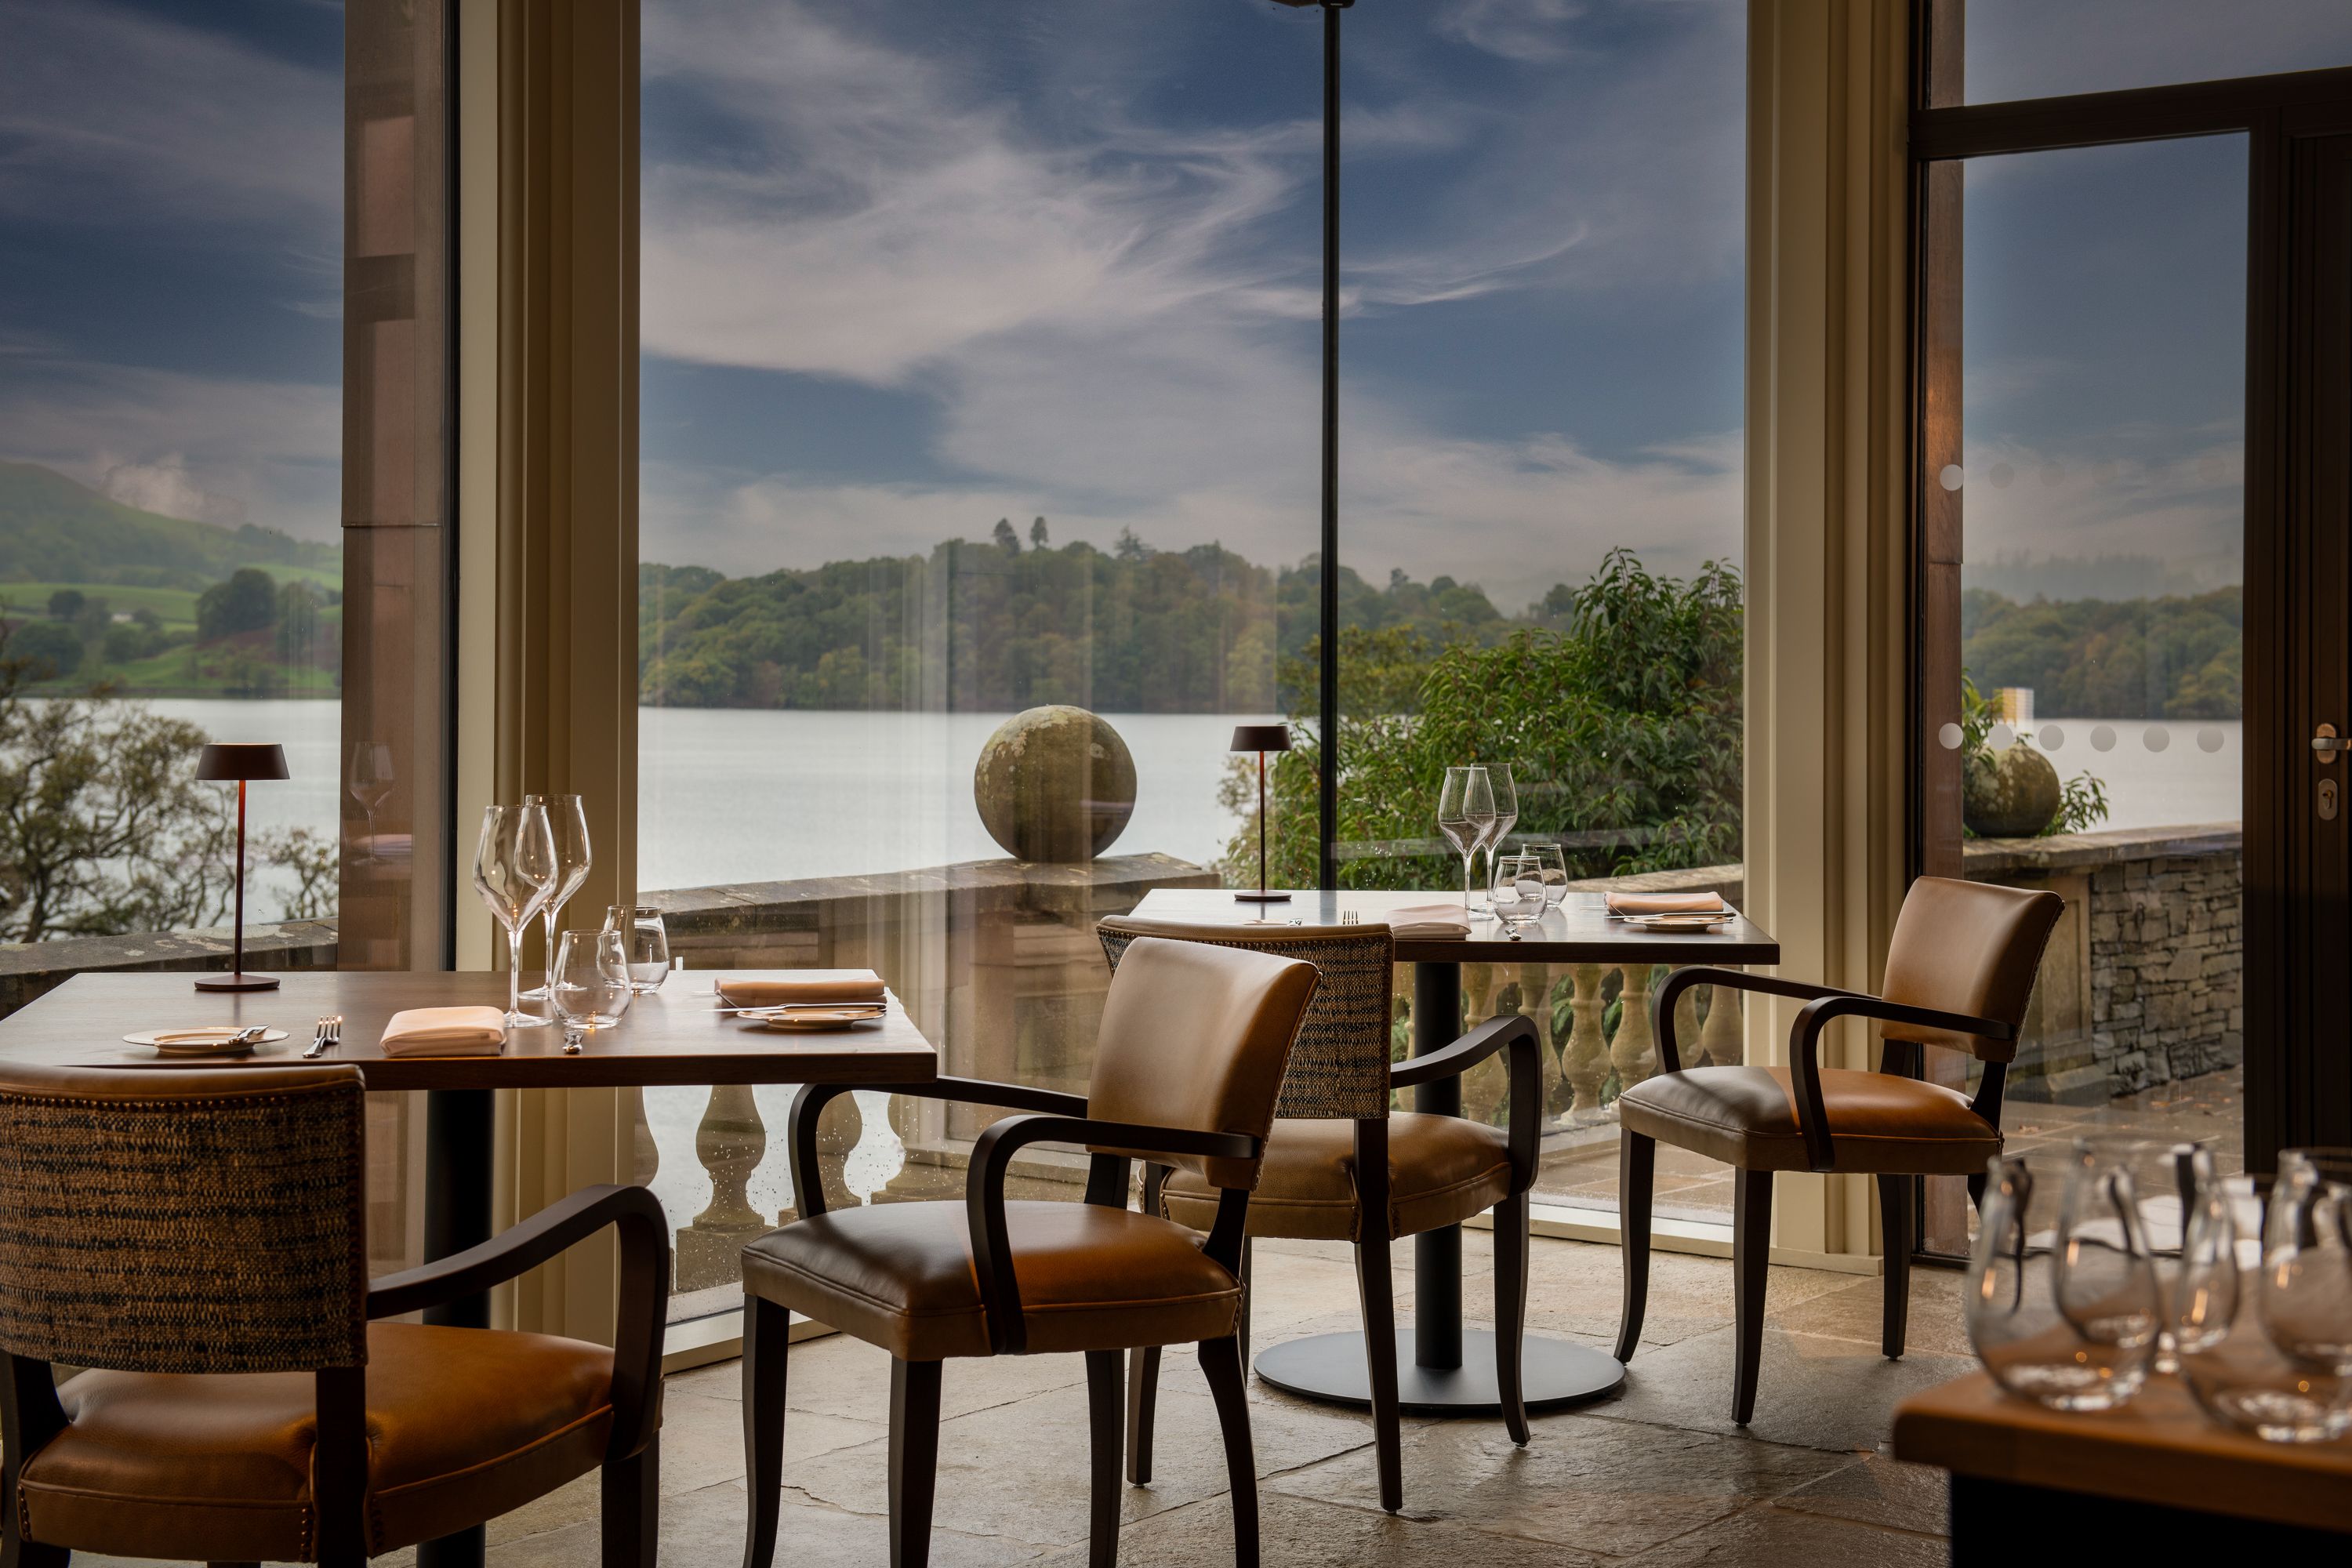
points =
(913, 265)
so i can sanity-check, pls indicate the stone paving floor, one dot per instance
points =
(1655, 1477)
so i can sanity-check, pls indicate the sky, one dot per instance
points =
(910, 266)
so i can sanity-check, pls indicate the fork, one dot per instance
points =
(328, 1034)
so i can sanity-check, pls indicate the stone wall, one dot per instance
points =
(2141, 985)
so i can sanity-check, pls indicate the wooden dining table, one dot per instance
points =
(674, 1035)
(1451, 1369)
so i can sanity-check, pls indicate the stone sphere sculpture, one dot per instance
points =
(2010, 794)
(1055, 784)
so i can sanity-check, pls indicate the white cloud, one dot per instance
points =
(2176, 497)
(216, 449)
(1113, 332)
(1530, 30)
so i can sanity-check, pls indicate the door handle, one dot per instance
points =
(2325, 743)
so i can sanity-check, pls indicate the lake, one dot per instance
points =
(730, 796)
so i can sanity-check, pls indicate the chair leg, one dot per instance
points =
(632, 1508)
(1142, 1403)
(1751, 1255)
(1104, 1407)
(1637, 1163)
(1511, 1311)
(1895, 1200)
(914, 1458)
(1220, 1363)
(1376, 1290)
(767, 1335)
(1143, 1367)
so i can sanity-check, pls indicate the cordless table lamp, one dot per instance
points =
(242, 764)
(1261, 738)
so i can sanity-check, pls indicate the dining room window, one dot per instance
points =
(1541, 506)
(977, 389)
(220, 313)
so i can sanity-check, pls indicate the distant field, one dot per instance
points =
(176, 607)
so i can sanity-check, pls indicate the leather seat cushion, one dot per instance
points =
(463, 1425)
(1442, 1170)
(900, 1276)
(1880, 1123)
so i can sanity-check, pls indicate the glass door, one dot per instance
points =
(2084, 668)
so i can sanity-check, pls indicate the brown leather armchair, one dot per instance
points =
(1189, 1059)
(196, 1239)
(1340, 1166)
(1959, 971)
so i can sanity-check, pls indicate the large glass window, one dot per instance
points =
(181, 279)
(1541, 509)
(979, 388)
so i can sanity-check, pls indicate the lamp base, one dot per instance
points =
(1262, 898)
(236, 979)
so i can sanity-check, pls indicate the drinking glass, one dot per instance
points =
(2234, 1372)
(644, 943)
(2306, 1291)
(1465, 814)
(1517, 894)
(2061, 1306)
(590, 982)
(1552, 862)
(514, 871)
(2166, 1175)
(568, 819)
(369, 781)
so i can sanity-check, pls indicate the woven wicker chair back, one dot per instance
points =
(180, 1221)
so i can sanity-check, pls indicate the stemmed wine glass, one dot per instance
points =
(1507, 811)
(1465, 814)
(568, 820)
(515, 871)
(369, 782)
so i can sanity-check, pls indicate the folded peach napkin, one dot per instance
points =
(446, 1032)
(804, 985)
(1430, 922)
(1667, 904)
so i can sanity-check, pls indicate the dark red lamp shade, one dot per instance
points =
(233, 763)
(1261, 737)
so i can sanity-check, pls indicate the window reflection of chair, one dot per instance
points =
(1960, 972)
(195, 1239)
(1340, 1166)
(1189, 1059)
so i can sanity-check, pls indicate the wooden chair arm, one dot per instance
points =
(1511, 1032)
(643, 1295)
(992, 1160)
(799, 1121)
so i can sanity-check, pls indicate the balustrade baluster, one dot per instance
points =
(1634, 1051)
(1586, 1054)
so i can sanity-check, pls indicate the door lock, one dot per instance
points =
(2327, 800)
(2326, 745)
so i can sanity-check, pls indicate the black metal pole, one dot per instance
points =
(237, 963)
(1328, 800)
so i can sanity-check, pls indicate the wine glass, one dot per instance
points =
(2307, 1294)
(590, 982)
(568, 819)
(2166, 1175)
(369, 781)
(1465, 814)
(2233, 1370)
(515, 871)
(1517, 895)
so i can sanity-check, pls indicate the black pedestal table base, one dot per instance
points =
(1553, 1374)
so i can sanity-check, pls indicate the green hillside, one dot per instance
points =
(54, 529)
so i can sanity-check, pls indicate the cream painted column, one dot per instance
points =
(1828, 648)
(548, 479)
